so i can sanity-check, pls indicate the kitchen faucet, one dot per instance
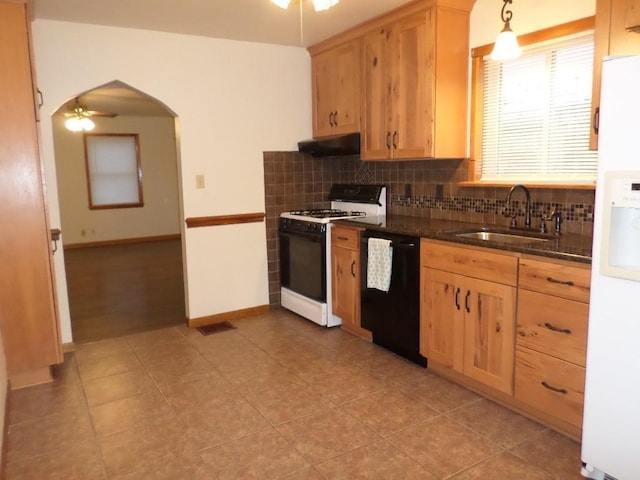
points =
(527, 214)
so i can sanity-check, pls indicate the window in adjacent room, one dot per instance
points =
(113, 170)
(532, 115)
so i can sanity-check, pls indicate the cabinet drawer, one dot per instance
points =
(345, 237)
(555, 279)
(471, 262)
(550, 385)
(553, 325)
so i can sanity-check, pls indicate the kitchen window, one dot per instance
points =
(532, 115)
(114, 175)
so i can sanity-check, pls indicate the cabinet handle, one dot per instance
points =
(335, 118)
(344, 239)
(557, 329)
(395, 140)
(457, 293)
(388, 140)
(568, 283)
(40, 98)
(353, 266)
(331, 119)
(466, 301)
(596, 120)
(554, 389)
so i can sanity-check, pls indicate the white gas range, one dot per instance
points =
(305, 248)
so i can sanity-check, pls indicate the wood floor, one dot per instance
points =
(124, 289)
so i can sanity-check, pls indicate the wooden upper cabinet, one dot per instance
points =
(614, 35)
(632, 16)
(414, 86)
(336, 87)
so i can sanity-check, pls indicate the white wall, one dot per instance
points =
(234, 100)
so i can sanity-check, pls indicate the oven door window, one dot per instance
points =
(303, 265)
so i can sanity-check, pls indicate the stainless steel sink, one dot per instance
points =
(500, 237)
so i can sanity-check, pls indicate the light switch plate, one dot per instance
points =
(199, 181)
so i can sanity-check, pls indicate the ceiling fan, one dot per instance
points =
(79, 117)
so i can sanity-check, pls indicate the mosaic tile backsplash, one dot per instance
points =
(421, 188)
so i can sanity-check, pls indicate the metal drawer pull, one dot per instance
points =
(343, 238)
(353, 266)
(569, 283)
(557, 329)
(457, 293)
(554, 389)
(466, 301)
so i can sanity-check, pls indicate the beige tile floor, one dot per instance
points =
(276, 398)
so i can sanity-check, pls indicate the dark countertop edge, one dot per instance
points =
(570, 247)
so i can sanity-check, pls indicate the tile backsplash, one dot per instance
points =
(419, 188)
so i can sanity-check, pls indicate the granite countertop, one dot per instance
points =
(565, 247)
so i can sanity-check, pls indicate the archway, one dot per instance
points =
(123, 263)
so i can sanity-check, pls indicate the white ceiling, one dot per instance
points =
(247, 20)
(250, 20)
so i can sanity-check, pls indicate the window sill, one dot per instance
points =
(566, 186)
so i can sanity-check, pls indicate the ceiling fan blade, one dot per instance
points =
(97, 113)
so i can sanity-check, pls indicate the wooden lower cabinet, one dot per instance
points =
(467, 324)
(345, 279)
(517, 336)
(553, 314)
(550, 385)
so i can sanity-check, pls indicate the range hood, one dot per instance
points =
(339, 146)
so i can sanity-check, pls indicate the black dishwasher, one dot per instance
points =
(393, 317)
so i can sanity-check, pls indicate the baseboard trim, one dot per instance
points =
(123, 241)
(28, 378)
(5, 432)
(223, 317)
(68, 347)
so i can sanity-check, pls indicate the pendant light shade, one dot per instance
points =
(506, 46)
(318, 5)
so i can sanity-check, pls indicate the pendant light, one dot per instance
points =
(318, 5)
(506, 46)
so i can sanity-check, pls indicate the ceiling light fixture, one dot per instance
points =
(79, 120)
(506, 46)
(318, 5)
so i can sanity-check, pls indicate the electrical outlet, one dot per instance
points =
(199, 181)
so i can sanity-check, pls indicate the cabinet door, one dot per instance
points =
(489, 333)
(28, 316)
(409, 88)
(376, 82)
(345, 285)
(347, 87)
(441, 318)
(336, 90)
(611, 38)
(323, 93)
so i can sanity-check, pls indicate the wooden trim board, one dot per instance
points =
(124, 241)
(195, 222)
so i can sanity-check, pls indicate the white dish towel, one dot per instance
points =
(380, 254)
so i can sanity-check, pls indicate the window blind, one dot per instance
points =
(537, 115)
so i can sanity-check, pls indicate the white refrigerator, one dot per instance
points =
(611, 426)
